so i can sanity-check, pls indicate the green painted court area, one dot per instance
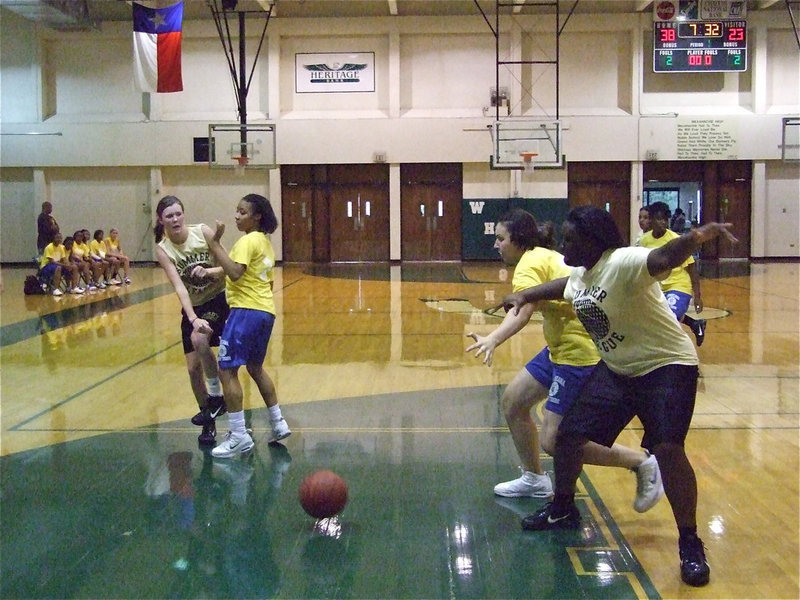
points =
(148, 514)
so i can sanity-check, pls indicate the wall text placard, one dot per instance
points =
(707, 139)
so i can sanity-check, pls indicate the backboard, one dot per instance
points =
(514, 138)
(235, 146)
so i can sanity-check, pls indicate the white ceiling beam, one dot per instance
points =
(392, 7)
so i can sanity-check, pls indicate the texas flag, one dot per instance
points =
(157, 48)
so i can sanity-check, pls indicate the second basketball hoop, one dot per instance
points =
(527, 161)
(240, 164)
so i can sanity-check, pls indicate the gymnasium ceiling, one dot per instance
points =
(91, 14)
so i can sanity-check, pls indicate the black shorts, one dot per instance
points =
(662, 399)
(215, 311)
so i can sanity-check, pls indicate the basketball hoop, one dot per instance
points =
(527, 161)
(240, 165)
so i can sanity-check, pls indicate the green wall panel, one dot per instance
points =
(480, 215)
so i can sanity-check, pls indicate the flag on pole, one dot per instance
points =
(157, 48)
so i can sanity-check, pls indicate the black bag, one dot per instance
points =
(32, 286)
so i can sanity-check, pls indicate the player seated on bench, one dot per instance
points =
(54, 262)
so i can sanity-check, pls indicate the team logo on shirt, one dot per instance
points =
(593, 318)
(595, 321)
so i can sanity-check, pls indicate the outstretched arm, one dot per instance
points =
(198, 324)
(550, 290)
(512, 323)
(674, 253)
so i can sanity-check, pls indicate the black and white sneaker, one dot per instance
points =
(699, 331)
(545, 519)
(215, 406)
(694, 567)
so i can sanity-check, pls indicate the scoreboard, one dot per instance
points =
(699, 46)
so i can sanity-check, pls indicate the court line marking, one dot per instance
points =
(89, 388)
(637, 577)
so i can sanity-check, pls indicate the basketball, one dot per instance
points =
(323, 494)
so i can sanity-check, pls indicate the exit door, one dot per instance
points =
(359, 223)
(430, 220)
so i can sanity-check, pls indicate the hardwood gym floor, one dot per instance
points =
(105, 492)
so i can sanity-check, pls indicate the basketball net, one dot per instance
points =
(527, 161)
(240, 166)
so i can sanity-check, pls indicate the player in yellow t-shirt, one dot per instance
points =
(97, 249)
(249, 326)
(114, 250)
(683, 282)
(54, 262)
(82, 254)
(557, 373)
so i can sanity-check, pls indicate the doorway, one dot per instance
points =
(604, 185)
(335, 213)
(707, 191)
(430, 220)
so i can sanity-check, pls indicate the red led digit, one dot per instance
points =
(667, 35)
(736, 34)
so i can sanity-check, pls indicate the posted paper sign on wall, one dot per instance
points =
(330, 72)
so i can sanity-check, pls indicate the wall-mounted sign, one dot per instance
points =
(334, 72)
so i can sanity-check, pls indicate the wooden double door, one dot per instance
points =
(431, 196)
(340, 213)
(335, 213)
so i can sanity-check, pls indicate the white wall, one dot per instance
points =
(117, 151)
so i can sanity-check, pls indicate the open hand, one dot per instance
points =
(483, 345)
(711, 231)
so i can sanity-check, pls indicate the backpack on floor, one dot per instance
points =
(32, 286)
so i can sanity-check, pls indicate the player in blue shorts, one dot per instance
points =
(683, 283)
(248, 289)
(649, 367)
(557, 373)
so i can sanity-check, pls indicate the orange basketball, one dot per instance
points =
(323, 494)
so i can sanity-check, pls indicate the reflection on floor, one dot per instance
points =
(421, 522)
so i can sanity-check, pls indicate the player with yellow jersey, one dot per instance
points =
(54, 261)
(97, 253)
(114, 250)
(683, 282)
(557, 373)
(248, 288)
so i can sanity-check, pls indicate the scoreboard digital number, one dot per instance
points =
(699, 46)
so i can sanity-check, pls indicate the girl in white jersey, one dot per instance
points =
(182, 251)
(249, 326)
(648, 367)
(556, 374)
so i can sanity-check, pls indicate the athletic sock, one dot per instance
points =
(236, 422)
(275, 413)
(214, 387)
